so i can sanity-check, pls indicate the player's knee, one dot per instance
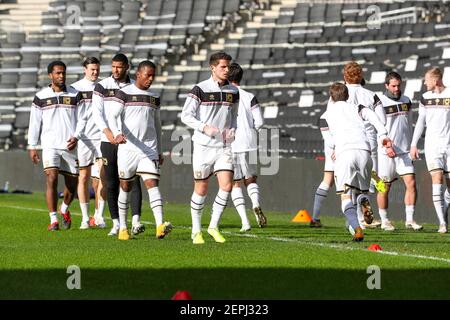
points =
(126, 186)
(226, 184)
(151, 183)
(227, 187)
(83, 177)
(328, 178)
(410, 184)
(437, 177)
(250, 180)
(71, 183)
(52, 178)
(201, 188)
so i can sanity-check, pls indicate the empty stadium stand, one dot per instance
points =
(291, 50)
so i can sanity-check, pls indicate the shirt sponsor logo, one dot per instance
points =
(437, 102)
(66, 100)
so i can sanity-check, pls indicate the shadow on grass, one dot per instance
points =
(226, 283)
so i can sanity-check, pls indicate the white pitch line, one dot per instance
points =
(319, 244)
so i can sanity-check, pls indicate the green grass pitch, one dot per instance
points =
(286, 260)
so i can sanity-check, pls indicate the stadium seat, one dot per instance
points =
(298, 47)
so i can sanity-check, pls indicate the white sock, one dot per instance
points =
(319, 198)
(253, 193)
(344, 204)
(135, 220)
(197, 205)
(438, 201)
(95, 212)
(85, 211)
(239, 202)
(101, 208)
(156, 203)
(446, 200)
(64, 207)
(123, 203)
(348, 209)
(116, 223)
(383, 215)
(218, 206)
(53, 217)
(409, 210)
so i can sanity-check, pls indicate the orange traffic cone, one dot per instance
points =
(374, 247)
(182, 295)
(302, 216)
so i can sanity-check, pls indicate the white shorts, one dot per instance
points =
(438, 159)
(130, 164)
(329, 163)
(245, 165)
(389, 167)
(352, 170)
(64, 160)
(88, 154)
(209, 160)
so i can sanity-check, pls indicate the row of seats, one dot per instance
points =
(291, 54)
(161, 30)
(290, 59)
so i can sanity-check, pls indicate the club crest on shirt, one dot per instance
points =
(66, 100)
(211, 97)
(133, 98)
(49, 102)
(85, 96)
(404, 106)
(111, 93)
(229, 97)
(447, 102)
